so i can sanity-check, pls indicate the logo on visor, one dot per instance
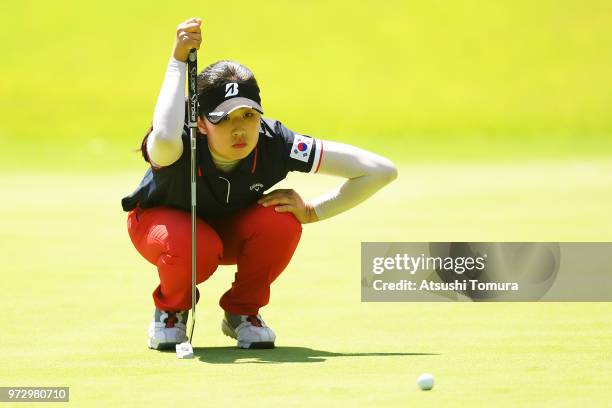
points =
(231, 89)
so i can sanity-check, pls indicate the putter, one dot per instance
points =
(185, 350)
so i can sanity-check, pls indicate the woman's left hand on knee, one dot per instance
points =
(288, 200)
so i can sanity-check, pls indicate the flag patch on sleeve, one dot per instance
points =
(302, 147)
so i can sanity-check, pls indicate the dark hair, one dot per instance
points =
(213, 75)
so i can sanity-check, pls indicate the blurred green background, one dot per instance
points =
(498, 115)
(419, 81)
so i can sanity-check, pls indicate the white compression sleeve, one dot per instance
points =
(164, 145)
(366, 173)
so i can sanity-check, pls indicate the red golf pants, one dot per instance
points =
(259, 240)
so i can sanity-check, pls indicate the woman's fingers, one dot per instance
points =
(289, 201)
(193, 19)
(277, 194)
(196, 21)
(189, 31)
(276, 200)
(191, 28)
(189, 39)
(188, 36)
(278, 197)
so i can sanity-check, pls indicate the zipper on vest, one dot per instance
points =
(228, 189)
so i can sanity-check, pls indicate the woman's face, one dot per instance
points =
(235, 136)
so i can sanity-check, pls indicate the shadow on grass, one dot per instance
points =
(233, 355)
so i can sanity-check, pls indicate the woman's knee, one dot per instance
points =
(171, 233)
(270, 222)
(209, 246)
(176, 260)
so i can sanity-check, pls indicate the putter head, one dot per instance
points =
(184, 350)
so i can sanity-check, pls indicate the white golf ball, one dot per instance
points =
(425, 381)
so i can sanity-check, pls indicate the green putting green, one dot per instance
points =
(78, 300)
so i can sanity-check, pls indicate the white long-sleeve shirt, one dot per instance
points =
(365, 172)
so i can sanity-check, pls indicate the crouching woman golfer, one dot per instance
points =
(240, 155)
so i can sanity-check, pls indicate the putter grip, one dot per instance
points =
(192, 77)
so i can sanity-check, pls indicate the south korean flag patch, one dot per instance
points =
(302, 147)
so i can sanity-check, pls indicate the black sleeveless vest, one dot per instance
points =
(220, 193)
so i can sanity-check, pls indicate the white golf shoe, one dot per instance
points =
(250, 331)
(167, 329)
